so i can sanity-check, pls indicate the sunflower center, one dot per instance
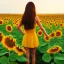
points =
(9, 28)
(20, 50)
(47, 38)
(47, 22)
(54, 50)
(39, 33)
(52, 35)
(58, 33)
(1, 38)
(60, 24)
(9, 42)
(0, 22)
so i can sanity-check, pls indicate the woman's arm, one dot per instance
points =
(18, 27)
(41, 27)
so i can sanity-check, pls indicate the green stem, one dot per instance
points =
(8, 59)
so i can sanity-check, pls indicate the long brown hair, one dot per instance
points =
(28, 19)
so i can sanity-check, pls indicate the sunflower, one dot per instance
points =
(52, 35)
(46, 38)
(62, 24)
(50, 23)
(62, 21)
(19, 51)
(14, 24)
(6, 22)
(50, 27)
(1, 36)
(39, 33)
(56, 23)
(9, 28)
(60, 29)
(8, 42)
(58, 33)
(1, 22)
(54, 50)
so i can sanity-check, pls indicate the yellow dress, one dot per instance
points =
(30, 39)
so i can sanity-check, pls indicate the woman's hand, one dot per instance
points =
(23, 33)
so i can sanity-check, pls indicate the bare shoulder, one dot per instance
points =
(37, 19)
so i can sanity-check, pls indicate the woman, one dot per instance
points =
(30, 39)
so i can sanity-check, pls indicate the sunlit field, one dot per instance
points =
(50, 50)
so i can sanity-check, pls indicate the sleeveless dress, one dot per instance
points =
(30, 39)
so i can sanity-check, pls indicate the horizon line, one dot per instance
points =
(36, 14)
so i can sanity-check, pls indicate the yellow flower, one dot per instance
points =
(50, 23)
(56, 23)
(1, 36)
(54, 50)
(19, 51)
(47, 22)
(58, 33)
(1, 22)
(14, 24)
(62, 24)
(8, 42)
(9, 28)
(46, 38)
(39, 33)
(52, 35)
(60, 29)
(50, 27)
(6, 22)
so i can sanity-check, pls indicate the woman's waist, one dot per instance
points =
(30, 30)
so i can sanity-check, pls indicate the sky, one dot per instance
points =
(42, 6)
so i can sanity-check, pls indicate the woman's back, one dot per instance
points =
(30, 39)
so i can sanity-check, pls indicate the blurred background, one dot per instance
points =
(42, 6)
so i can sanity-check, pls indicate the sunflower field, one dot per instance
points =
(50, 50)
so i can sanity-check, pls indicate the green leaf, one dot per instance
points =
(53, 26)
(59, 61)
(1, 47)
(0, 43)
(3, 52)
(12, 57)
(22, 58)
(59, 56)
(43, 48)
(52, 63)
(41, 40)
(48, 30)
(13, 63)
(4, 60)
(62, 46)
(10, 22)
(43, 44)
(46, 57)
